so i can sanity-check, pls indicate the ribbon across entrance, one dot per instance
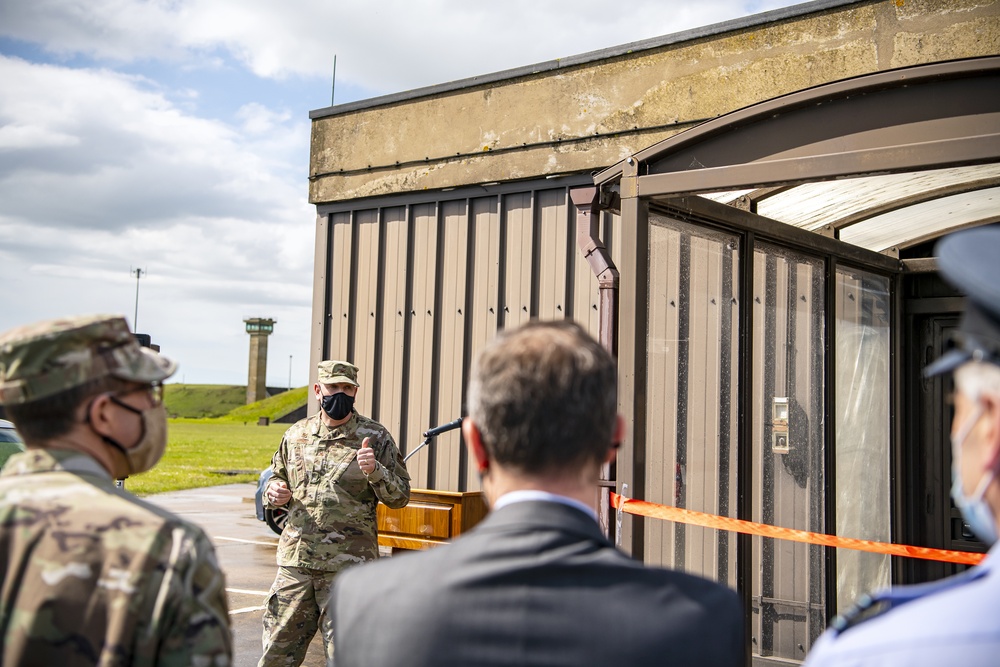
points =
(655, 511)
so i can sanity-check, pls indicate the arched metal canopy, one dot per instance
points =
(883, 161)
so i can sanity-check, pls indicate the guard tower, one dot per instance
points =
(259, 329)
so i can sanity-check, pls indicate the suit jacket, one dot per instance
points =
(535, 583)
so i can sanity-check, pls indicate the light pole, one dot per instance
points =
(135, 318)
(289, 372)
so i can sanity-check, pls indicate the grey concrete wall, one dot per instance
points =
(593, 112)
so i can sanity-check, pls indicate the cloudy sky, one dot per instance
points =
(172, 136)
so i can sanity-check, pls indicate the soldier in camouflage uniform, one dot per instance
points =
(331, 470)
(91, 574)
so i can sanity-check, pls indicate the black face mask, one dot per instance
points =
(338, 406)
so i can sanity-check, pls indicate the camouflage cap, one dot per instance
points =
(332, 372)
(45, 358)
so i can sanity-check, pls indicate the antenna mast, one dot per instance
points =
(138, 273)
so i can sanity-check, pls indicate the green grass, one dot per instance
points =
(202, 400)
(274, 407)
(228, 402)
(198, 452)
(216, 440)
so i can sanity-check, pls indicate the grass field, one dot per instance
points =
(228, 402)
(202, 400)
(205, 453)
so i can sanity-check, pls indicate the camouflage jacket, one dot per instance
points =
(332, 514)
(95, 576)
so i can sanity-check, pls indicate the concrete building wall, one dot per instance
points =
(587, 112)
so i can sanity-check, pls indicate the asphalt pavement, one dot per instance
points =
(245, 547)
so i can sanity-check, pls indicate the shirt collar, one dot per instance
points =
(527, 495)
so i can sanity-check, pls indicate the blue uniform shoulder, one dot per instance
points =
(876, 604)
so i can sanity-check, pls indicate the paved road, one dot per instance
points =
(246, 552)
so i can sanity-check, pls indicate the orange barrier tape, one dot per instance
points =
(643, 508)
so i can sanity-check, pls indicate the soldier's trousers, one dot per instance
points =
(295, 609)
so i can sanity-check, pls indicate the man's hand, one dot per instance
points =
(277, 492)
(366, 458)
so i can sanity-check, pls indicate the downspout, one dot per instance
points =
(588, 221)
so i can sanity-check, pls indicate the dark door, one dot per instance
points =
(926, 514)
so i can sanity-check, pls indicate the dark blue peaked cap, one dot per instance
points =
(970, 261)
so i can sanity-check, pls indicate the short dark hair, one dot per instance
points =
(544, 397)
(54, 416)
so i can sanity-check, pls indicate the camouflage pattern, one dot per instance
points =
(42, 359)
(294, 611)
(332, 514)
(95, 576)
(331, 525)
(334, 372)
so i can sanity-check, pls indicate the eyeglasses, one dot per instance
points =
(155, 391)
(156, 394)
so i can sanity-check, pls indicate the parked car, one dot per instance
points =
(10, 441)
(274, 518)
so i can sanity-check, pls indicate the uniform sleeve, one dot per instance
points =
(390, 480)
(279, 469)
(191, 609)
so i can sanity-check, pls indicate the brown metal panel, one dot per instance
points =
(553, 247)
(453, 280)
(484, 287)
(843, 164)
(790, 588)
(517, 220)
(757, 401)
(392, 355)
(423, 284)
(686, 387)
(663, 400)
(321, 317)
(342, 266)
(586, 296)
(632, 354)
(701, 467)
(365, 330)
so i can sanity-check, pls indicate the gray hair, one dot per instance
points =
(544, 397)
(976, 378)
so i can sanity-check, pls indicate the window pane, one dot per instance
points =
(788, 481)
(862, 414)
(692, 391)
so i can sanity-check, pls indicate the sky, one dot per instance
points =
(154, 153)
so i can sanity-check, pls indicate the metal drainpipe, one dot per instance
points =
(588, 219)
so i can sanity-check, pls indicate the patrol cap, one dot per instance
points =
(970, 261)
(334, 372)
(42, 359)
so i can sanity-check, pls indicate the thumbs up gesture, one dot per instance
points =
(366, 457)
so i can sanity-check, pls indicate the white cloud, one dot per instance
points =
(387, 46)
(100, 172)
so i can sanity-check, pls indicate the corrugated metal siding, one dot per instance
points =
(420, 391)
(393, 323)
(415, 289)
(339, 288)
(518, 268)
(691, 427)
(366, 268)
(789, 596)
(453, 267)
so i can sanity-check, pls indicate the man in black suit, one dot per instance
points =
(537, 582)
